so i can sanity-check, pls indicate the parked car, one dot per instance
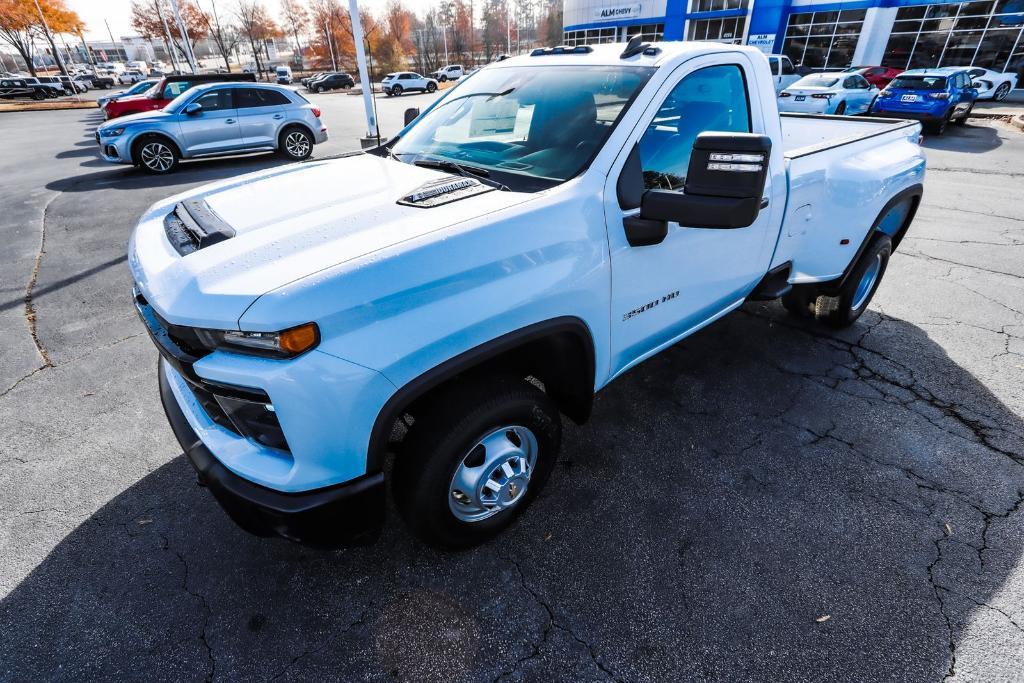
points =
(137, 89)
(878, 76)
(76, 84)
(452, 72)
(332, 81)
(51, 89)
(933, 96)
(405, 81)
(783, 71)
(829, 93)
(462, 280)
(166, 89)
(283, 74)
(17, 88)
(131, 76)
(97, 80)
(214, 120)
(992, 85)
(313, 76)
(56, 83)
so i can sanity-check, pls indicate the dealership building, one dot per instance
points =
(818, 34)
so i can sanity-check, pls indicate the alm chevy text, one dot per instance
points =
(552, 221)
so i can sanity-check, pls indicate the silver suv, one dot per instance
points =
(214, 120)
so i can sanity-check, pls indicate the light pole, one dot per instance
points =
(372, 134)
(189, 55)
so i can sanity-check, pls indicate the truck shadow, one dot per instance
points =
(973, 137)
(764, 501)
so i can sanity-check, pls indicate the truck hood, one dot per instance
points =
(289, 223)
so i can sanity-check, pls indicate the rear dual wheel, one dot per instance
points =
(842, 308)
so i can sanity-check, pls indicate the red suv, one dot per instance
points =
(160, 95)
(878, 76)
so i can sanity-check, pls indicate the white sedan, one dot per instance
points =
(992, 85)
(829, 93)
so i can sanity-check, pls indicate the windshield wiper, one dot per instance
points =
(489, 95)
(481, 174)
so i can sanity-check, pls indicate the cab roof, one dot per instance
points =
(608, 54)
(938, 71)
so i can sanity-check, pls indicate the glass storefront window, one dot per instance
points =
(958, 34)
(831, 38)
(728, 30)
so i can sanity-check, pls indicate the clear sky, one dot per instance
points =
(118, 13)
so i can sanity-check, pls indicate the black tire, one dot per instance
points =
(431, 87)
(447, 433)
(799, 301)
(442, 79)
(1001, 92)
(843, 309)
(150, 153)
(840, 109)
(939, 127)
(396, 90)
(962, 121)
(295, 143)
(38, 95)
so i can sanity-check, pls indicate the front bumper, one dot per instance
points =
(115, 149)
(351, 513)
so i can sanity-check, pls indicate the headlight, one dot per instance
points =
(285, 344)
(111, 132)
(885, 93)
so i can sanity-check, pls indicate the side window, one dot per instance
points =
(175, 88)
(215, 100)
(710, 99)
(246, 98)
(773, 64)
(275, 98)
(787, 67)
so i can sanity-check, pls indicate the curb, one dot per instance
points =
(1018, 121)
(47, 106)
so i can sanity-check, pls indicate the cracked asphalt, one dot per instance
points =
(768, 500)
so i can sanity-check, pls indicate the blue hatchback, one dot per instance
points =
(932, 96)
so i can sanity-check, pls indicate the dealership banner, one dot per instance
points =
(617, 12)
(762, 41)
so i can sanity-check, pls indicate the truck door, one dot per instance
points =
(661, 292)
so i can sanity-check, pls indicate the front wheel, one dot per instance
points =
(939, 127)
(852, 299)
(474, 459)
(156, 155)
(396, 90)
(431, 87)
(962, 121)
(296, 144)
(442, 79)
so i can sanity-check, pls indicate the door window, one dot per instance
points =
(709, 99)
(216, 100)
(175, 88)
(247, 98)
(787, 67)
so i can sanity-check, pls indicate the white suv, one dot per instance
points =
(404, 81)
(449, 73)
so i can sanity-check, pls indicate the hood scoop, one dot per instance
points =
(444, 191)
(193, 225)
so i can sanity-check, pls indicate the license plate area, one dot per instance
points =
(801, 98)
(908, 98)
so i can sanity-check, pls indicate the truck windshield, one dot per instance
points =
(529, 127)
(919, 82)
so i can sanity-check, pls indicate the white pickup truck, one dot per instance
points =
(546, 225)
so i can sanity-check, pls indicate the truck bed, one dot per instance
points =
(804, 134)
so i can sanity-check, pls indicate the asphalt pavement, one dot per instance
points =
(767, 500)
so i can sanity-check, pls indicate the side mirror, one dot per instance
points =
(410, 115)
(724, 182)
(193, 108)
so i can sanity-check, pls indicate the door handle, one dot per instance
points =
(278, 116)
(229, 120)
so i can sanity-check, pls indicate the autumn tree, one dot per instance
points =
(257, 26)
(148, 18)
(20, 25)
(224, 36)
(295, 19)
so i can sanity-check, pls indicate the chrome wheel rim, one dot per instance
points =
(494, 474)
(1002, 91)
(867, 283)
(297, 144)
(157, 156)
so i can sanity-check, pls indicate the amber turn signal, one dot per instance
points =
(299, 339)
